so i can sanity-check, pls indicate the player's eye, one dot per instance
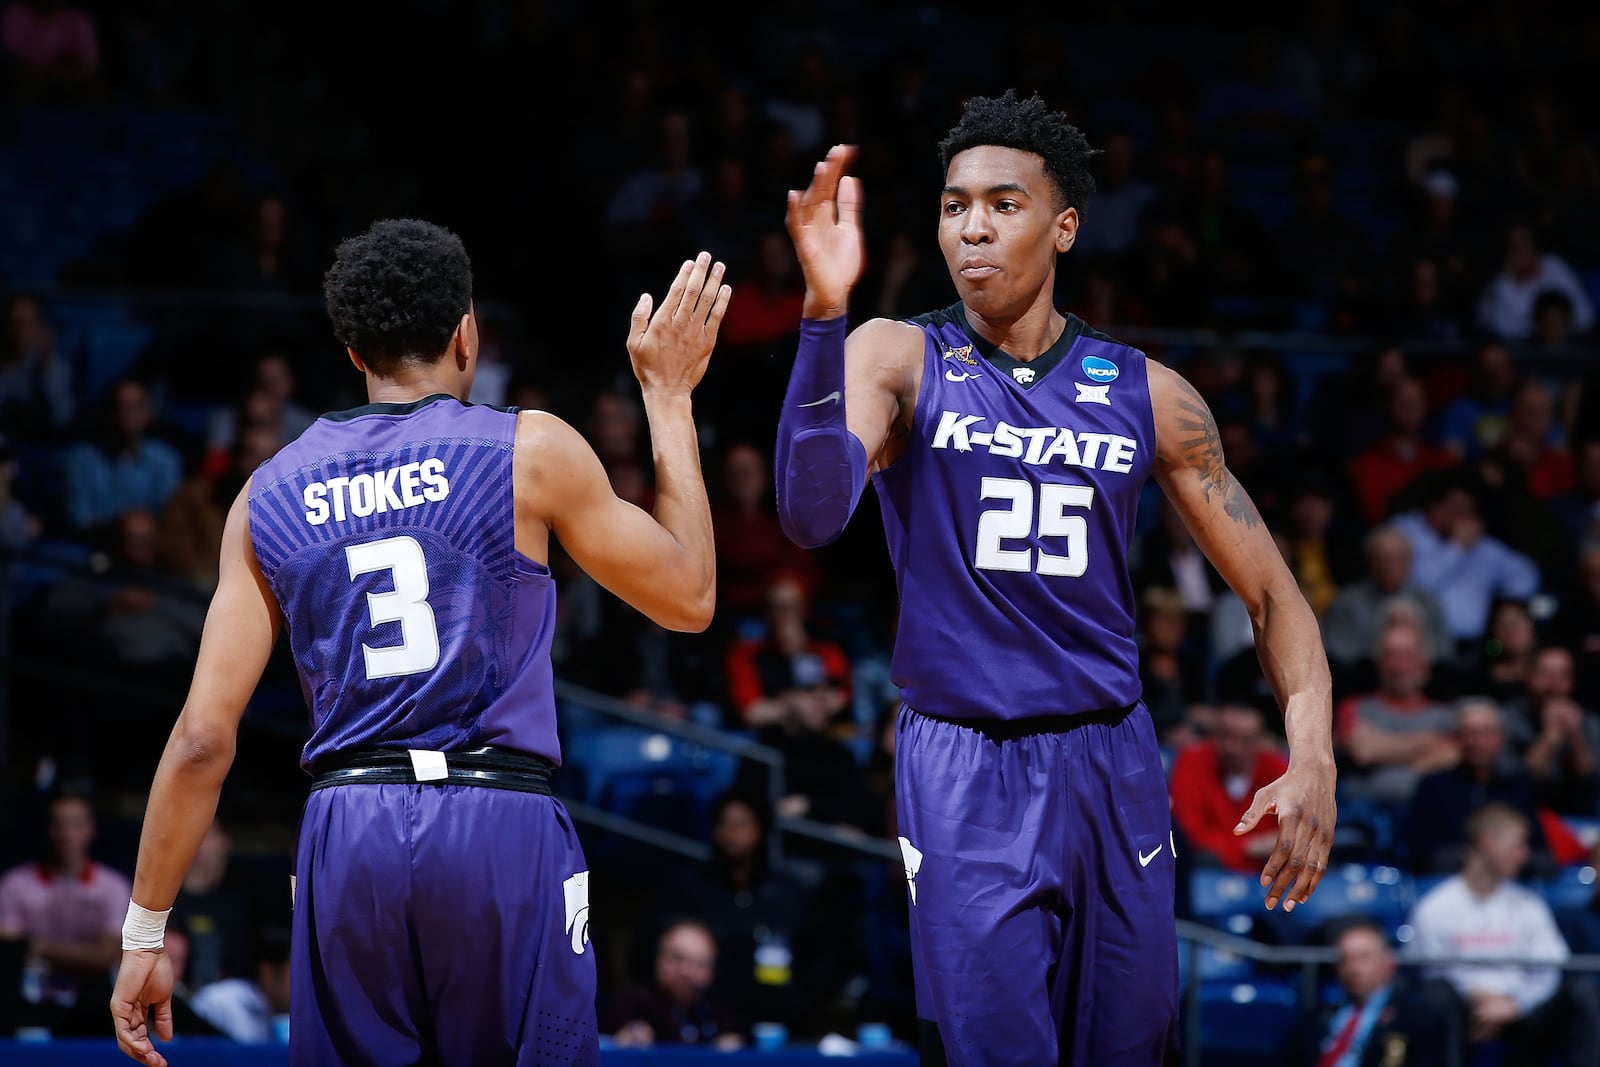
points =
(1008, 205)
(953, 207)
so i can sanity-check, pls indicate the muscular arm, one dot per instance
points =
(663, 564)
(241, 627)
(1226, 526)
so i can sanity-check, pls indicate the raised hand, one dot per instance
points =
(670, 349)
(824, 222)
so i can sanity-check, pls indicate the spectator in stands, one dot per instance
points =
(1234, 253)
(54, 46)
(68, 909)
(1533, 443)
(1482, 917)
(269, 401)
(213, 913)
(18, 525)
(1560, 739)
(1318, 244)
(1476, 420)
(1503, 664)
(267, 254)
(1352, 623)
(1213, 781)
(1376, 1021)
(36, 398)
(1553, 325)
(1578, 511)
(255, 1009)
(1121, 195)
(1392, 736)
(676, 1007)
(125, 469)
(1425, 309)
(1576, 624)
(767, 299)
(190, 534)
(129, 614)
(1172, 677)
(1436, 234)
(759, 915)
(1505, 307)
(1380, 472)
(1455, 560)
(615, 423)
(184, 1019)
(1349, 412)
(1321, 549)
(1487, 771)
(751, 545)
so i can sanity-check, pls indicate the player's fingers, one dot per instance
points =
(164, 1020)
(693, 285)
(674, 298)
(850, 201)
(1319, 842)
(1279, 871)
(718, 308)
(639, 322)
(707, 296)
(1260, 804)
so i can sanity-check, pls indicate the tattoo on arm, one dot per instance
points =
(1202, 450)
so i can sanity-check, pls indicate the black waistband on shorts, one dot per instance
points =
(492, 768)
(1034, 725)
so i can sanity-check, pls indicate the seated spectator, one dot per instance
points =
(751, 545)
(1507, 655)
(125, 469)
(1576, 623)
(1393, 735)
(1382, 470)
(213, 913)
(676, 1006)
(185, 1023)
(767, 298)
(1458, 562)
(1560, 741)
(1351, 625)
(18, 525)
(268, 401)
(1320, 546)
(1376, 1010)
(1505, 307)
(1488, 771)
(1215, 780)
(1172, 676)
(68, 910)
(191, 523)
(759, 916)
(1533, 444)
(1482, 917)
(36, 398)
(255, 1009)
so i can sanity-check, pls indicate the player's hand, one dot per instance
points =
(824, 222)
(671, 347)
(144, 988)
(1303, 802)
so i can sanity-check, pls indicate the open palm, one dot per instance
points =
(824, 222)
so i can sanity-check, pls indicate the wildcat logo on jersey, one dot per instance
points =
(575, 891)
(961, 355)
(1036, 445)
(913, 859)
(1024, 375)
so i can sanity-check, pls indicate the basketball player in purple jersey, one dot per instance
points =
(1008, 445)
(441, 898)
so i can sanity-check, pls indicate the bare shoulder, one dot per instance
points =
(888, 353)
(552, 460)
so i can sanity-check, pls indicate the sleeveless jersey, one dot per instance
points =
(1008, 521)
(386, 532)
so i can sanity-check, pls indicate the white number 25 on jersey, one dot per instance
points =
(1017, 522)
(406, 603)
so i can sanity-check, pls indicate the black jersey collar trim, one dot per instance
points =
(1005, 361)
(408, 408)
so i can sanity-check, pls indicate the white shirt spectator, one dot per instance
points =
(1511, 923)
(1505, 307)
(238, 1008)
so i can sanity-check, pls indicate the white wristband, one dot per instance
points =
(144, 929)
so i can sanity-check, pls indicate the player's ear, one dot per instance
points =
(355, 360)
(464, 345)
(1066, 229)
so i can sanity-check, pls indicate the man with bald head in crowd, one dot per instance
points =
(1351, 625)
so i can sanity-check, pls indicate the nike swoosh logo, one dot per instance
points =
(830, 397)
(951, 376)
(1144, 861)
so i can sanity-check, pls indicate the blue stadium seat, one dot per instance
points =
(614, 752)
(1572, 888)
(1225, 899)
(1246, 1023)
(1378, 892)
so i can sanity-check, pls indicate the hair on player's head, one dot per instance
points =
(396, 293)
(1029, 126)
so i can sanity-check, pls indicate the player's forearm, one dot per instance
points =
(820, 467)
(183, 802)
(1289, 643)
(681, 505)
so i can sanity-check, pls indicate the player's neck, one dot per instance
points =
(408, 384)
(1024, 338)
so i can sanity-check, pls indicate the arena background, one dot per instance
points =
(1311, 210)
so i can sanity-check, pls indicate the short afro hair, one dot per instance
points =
(397, 292)
(1029, 126)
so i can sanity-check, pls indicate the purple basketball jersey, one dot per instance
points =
(1008, 519)
(386, 532)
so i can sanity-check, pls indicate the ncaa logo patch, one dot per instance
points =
(1100, 370)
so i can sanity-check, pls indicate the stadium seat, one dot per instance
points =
(1225, 899)
(1244, 1024)
(1376, 892)
(1572, 888)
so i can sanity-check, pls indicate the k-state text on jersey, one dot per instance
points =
(1036, 445)
(390, 489)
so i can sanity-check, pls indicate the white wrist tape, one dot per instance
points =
(143, 928)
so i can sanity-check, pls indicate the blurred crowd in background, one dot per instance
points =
(1368, 233)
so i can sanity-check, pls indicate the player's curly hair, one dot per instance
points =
(1028, 125)
(398, 291)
